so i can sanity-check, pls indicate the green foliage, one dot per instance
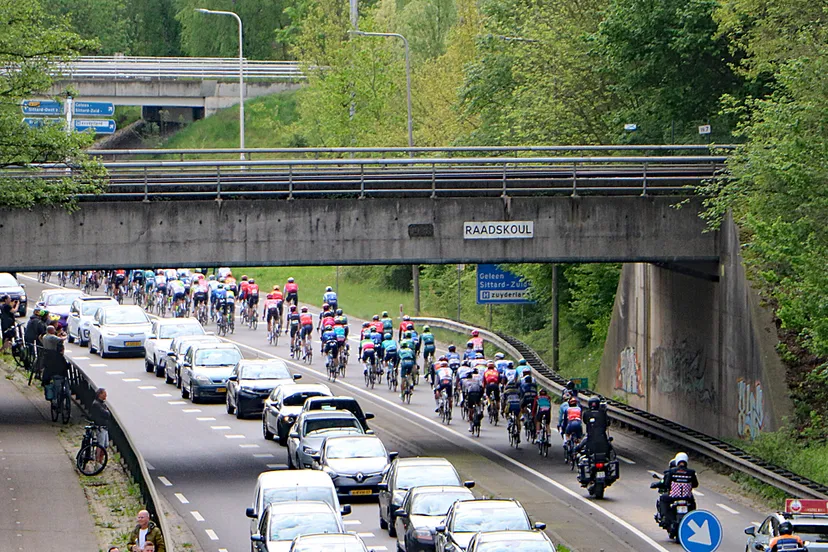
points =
(32, 40)
(105, 20)
(592, 290)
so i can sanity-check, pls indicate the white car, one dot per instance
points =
(281, 523)
(121, 329)
(178, 350)
(81, 314)
(164, 330)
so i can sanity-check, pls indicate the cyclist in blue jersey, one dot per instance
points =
(330, 298)
(387, 323)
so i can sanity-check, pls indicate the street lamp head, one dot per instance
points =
(202, 10)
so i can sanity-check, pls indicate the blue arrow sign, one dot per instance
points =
(98, 126)
(93, 108)
(500, 286)
(700, 531)
(42, 107)
(37, 122)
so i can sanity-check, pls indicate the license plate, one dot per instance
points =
(600, 475)
(221, 390)
(681, 509)
(132, 343)
(361, 492)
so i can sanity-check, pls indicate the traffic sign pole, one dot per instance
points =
(69, 115)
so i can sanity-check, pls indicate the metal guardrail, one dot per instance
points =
(394, 177)
(85, 389)
(151, 68)
(641, 421)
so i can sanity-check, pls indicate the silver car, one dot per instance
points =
(205, 370)
(356, 463)
(422, 510)
(81, 314)
(164, 330)
(282, 522)
(511, 541)
(333, 542)
(121, 329)
(466, 518)
(811, 528)
(178, 350)
(310, 431)
(284, 405)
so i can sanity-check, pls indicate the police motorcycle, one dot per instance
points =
(598, 467)
(677, 507)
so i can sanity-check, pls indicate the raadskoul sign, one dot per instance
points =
(498, 230)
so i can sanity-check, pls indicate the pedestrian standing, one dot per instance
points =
(146, 531)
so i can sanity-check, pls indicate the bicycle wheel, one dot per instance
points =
(66, 413)
(55, 407)
(255, 323)
(91, 459)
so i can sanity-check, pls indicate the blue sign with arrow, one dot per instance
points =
(42, 107)
(93, 108)
(98, 126)
(500, 286)
(700, 531)
(37, 122)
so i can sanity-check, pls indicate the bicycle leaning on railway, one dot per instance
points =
(92, 457)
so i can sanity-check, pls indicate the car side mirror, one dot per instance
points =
(256, 538)
(152, 336)
(294, 435)
(345, 510)
(750, 531)
(233, 378)
(369, 432)
(297, 377)
(440, 528)
(393, 455)
(22, 285)
(401, 513)
(251, 513)
(186, 364)
(468, 484)
(611, 439)
(316, 457)
(540, 526)
(96, 324)
(369, 416)
(382, 486)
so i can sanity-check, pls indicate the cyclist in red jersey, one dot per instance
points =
(405, 326)
(477, 341)
(243, 285)
(291, 292)
(306, 321)
(252, 296)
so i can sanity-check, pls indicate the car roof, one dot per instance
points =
(176, 321)
(95, 298)
(306, 387)
(335, 438)
(437, 489)
(122, 307)
(204, 338)
(328, 538)
(47, 292)
(213, 345)
(302, 478)
(423, 461)
(509, 536)
(487, 503)
(262, 361)
(314, 414)
(301, 506)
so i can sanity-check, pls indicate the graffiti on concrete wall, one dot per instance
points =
(751, 409)
(681, 369)
(628, 373)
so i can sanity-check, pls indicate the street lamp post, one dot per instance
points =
(241, 73)
(407, 79)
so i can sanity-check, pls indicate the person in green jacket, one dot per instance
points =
(145, 531)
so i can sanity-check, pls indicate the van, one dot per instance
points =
(339, 403)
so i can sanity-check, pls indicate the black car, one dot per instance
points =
(339, 403)
(252, 381)
(9, 286)
(422, 510)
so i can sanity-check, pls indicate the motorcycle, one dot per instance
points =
(678, 508)
(597, 471)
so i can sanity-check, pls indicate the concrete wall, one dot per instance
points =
(351, 231)
(694, 350)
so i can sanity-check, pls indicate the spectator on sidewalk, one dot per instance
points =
(149, 547)
(51, 341)
(100, 414)
(113, 549)
(7, 320)
(146, 531)
(54, 363)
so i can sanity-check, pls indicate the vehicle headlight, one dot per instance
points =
(423, 535)
(108, 333)
(289, 419)
(397, 497)
(201, 379)
(308, 450)
(23, 297)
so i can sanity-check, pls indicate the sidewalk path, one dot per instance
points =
(42, 505)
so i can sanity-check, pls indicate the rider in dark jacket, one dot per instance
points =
(596, 422)
(678, 483)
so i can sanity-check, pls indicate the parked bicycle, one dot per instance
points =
(92, 457)
(61, 404)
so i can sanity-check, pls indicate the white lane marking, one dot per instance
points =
(211, 534)
(263, 455)
(756, 523)
(659, 475)
(234, 436)
(728, 509)
(115, 372)
(149, 466)
(352, 522)
(365, 535)
(161, 395)
(99, 365)
(220, 427)
(147, 387)
(191, 410)
(223, 550)
(456, 435)
(206, 419)
(197, 516)
(131, 380)
(181, 498)
(176, 402)
(277, 466)
(379, 548)
(80, 358)
(698, 493)
(249, 445)
(164, 481)
(625, 459)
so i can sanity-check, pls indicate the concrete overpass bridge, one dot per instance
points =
(188, 88)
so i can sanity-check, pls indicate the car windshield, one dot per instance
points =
(60, 299)
(265, 371)
(217, 357)
(298, 399)
(435, 504)
(534, 545)
(292, 494)
(7, 280)
(91, 307)
(171, 331)
(325, 424)
(355, 448)
(130, 316)
(287, 526)
(340, 545)
(490, 519)
(812, 533)
(416, 476)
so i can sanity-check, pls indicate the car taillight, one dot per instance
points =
(599, 465)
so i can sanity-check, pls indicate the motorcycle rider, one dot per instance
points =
(678, 483)
(596, 422)
(786, 540)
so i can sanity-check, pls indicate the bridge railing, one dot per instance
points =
(149, 68)
(383, 178)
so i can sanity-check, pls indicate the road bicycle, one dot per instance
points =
(44, 277)
(476, 415)
(513, 430)
(253, 320)
(406, 389)
(391, 376)
(331, 366)
(343, 358)
(528, 426)
(201, 314)
(493, 408)
(92, 457)
(543, 441)
(222, 324)
(307, 350)
(62, 278)
(273, 334)
(570, 457)
(61, 403)
(295, 345)
(370, 374)
(444, 407)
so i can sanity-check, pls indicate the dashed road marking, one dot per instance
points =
(263, 455)
(220, 428)
(181, 498)
(352, 522)
(206, 419)
(176, 402)
(161, 395)
(130, 380)
(625, 459)
(211, 534)
(80, 358)
(197, 516)
(164, 481)
(234, 436)
(190, 410)
(728, 509)
(365, 535)
(147, 387)
(277, 466)
(249, 445)
(115, 372)
(98, 365)
(698, 493)
(756, 523)
(379, 548)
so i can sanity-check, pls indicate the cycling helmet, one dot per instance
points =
(490, 364)
(365, 324)
(221, 285)
(426, 329)
(290, 280)
(221, 280)
(293, 308)
(404, 345)
(786, 528)
(252, 281)
(244, 277)
(339, 312)
(470, 374)
(478, 355)
(376, 317)
(304, 309)
(407, 335)
(387, 336)
(570, 385)
(443, 358)
(385, 314)
(452, 348)
(329, 288)
(522, 362)
(681, 457)
(573, 401)
(270, 296)
(212, 277)
(229, 275)
(325, 306)
(406, 318)
(275, 288)
(469, 345)
(510, 365)
(594, 402)
(526, 370)
(328, 327)
(543, 392)
(475, 333)
(475, 371)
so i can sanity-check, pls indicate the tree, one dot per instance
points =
(30, 43)
(104, 20)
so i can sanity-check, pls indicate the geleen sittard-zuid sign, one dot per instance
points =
(499, 230)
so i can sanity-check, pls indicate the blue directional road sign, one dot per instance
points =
(98, 126)
(500, 286)
(37, 122)
(42, 107)
(103, 109)
(700, 531)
